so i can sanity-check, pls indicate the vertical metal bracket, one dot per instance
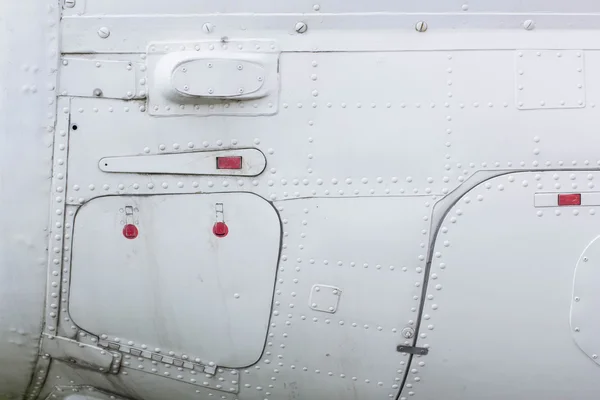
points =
(220, 212)
(129, 215)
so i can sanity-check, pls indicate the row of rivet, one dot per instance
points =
(280, 313)
(42, 364)
(218, 381)
(55, 260)
(452, 218)
(66, 327)
(171, 359)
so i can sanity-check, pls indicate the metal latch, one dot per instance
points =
(422, 351)
(220, 228)
(130, 230)
(81, 354)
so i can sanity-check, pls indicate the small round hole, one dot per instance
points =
(74, 127)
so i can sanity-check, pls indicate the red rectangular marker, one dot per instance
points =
(573, 199)
(229, 162)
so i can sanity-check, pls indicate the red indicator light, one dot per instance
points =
(569, 199)
(229, 162)
(130, 231)
(220, 229)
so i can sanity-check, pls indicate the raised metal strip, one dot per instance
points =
(550, 199)
(422, 351)
(187, 163)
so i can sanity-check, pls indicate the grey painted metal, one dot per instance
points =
(252, 163)
(422, 351)
(203, 277)
(399, 192)
(584, 300)
(213, 77)
(81, 393)
(29, 51)
(81, 354)
(86, 77)
(521, 278)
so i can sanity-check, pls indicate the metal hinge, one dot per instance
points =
(209, 369)
(422, 351)
(81, 354)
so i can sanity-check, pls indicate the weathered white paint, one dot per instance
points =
(405, 159)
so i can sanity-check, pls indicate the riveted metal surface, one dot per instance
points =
(40, 372)
(486, 274)
(324, 298)
(82, 393)
(584, 301)
(187, 291)
(549, 79)
(145, 385)
(218, 77)
(310, 256)
(100, 78)
(251, 163)
(340, 6)
(57, 320)
(81, 354)
(368, 114)
(29, 48)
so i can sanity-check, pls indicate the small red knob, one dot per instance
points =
(130, 231)
(220, 229)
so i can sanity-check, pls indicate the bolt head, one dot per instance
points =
(421, 26)
(104, 32)
(69, 3)
(97, 92)
(301, 27)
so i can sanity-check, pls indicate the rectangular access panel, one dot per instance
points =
(191, 274)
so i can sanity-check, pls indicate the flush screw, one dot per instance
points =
(421, 26)
(301, 27)
(104, 32)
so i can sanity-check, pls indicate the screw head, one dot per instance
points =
(408, 332)
(208, 27)
(528, 24)
(421, 26)
(69, 3)
(301, 27)
(97, 92)
(104, 32)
